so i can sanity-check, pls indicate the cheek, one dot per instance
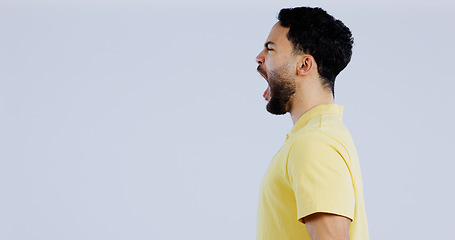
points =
(271, 71)
(270, 64)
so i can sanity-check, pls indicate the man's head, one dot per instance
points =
(305, 43)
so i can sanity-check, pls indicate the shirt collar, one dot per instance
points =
(330, 108)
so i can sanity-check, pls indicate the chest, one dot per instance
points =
(275, 187)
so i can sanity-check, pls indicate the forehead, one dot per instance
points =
(278, 35)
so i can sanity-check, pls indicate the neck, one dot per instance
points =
(307, 101)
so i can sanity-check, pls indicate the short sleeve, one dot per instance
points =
(320, 177)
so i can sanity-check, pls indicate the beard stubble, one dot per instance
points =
(282, 87)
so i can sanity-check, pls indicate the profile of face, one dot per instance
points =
(276, 65)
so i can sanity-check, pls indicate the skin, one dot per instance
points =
(326, 226)
(278, 58)
(309, 91)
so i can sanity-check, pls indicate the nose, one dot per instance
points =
(260, 59)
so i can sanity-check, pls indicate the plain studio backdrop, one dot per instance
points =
(145, 120)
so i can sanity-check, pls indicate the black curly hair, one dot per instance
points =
(313, 31)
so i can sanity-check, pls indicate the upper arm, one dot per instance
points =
(320, 177)
(325, 226)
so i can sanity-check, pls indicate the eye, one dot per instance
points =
(267, 46)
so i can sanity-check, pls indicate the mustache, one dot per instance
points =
(262, 72)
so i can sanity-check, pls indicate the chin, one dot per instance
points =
(275, 108)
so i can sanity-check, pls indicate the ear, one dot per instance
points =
(306, 64)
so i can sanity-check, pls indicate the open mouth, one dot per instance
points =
(267, 92)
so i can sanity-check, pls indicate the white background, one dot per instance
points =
(145, 120)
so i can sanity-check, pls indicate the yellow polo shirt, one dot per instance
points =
(316, 170)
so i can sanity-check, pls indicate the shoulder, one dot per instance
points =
(325, 145)
(326, 129)
(309, 144)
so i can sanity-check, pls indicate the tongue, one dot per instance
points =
(266, 94)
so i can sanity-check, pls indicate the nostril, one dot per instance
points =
(260, 59)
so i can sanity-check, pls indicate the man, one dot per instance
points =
(313, 187)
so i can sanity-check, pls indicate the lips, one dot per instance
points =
(266, 94)
(262, 72)
(267, 91)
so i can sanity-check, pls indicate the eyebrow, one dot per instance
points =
(266, 45)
